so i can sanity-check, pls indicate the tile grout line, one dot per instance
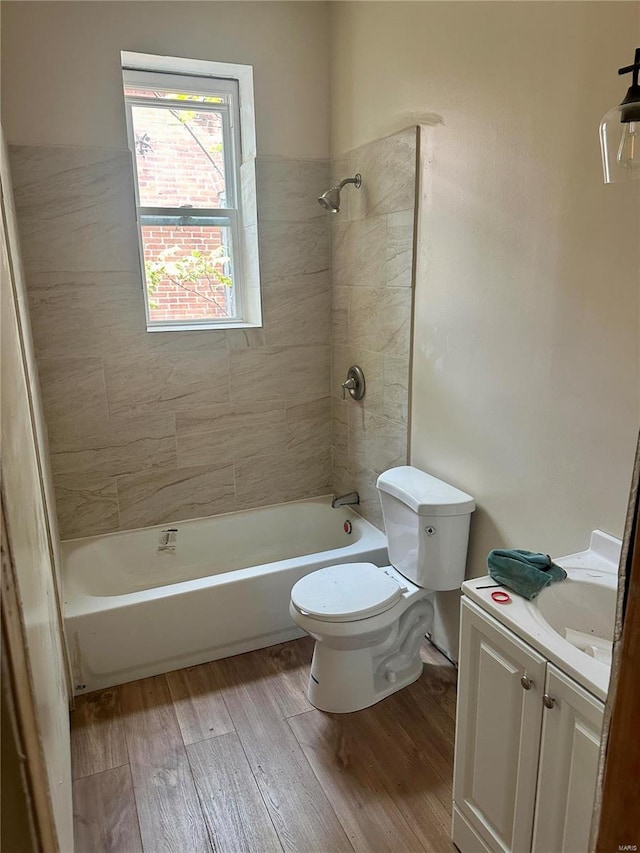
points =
(98, 772)
(259, 789)
(326, 796)
(255, 778)
(307, 762)
(212, 841)
(186, 755)
(172, 711)
(126, 746)
(135, 804)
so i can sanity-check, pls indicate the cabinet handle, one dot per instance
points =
(548, 701)
(526, 682)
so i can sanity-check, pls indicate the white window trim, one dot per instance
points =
(244, 231)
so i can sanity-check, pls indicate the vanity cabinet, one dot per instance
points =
(568, 769)
(527, 745)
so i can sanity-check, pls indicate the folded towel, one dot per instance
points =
(525, 572)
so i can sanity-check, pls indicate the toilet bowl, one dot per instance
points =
(369, 622)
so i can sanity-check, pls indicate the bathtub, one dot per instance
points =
(133, 610)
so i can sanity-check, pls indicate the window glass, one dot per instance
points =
(185, 151)
(180, 157)
(188, 269)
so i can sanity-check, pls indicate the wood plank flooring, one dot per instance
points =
(231, 757)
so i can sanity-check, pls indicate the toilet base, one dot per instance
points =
(345, 680)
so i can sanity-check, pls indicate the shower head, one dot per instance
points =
(331, 199)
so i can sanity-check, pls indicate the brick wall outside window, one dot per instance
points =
(174, 171)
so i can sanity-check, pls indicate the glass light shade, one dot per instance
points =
(620, 145)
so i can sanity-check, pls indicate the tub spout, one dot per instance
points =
(346, 500)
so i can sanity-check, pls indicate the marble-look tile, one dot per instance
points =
(279, 373)
(369, 506)
(83, 246)
(359, 253)
(339, 315)
(372, 365)
(375, 442)
(73, 183)
(288, 249)
(253, 302)
(72, 387)
(340, 411)
(156, 497)
(400, 248)
(94, 313)
(231, 432)
(114, 446)
(173, 382)
(309, 425)
(338, 169)
(206, 341)
(248, 184)
(275, 479)
(248, 338)
(380, 320)
(86, 504)
(297, 311)
(396, 389)
(251, 258)
(388, 169)
(73, 319)
(347, 476)
(52, 279)
(288, 189)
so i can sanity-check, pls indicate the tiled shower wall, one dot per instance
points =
(148, 428)
(372, 269)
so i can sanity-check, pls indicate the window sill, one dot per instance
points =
(201, 327)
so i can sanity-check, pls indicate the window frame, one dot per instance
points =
(231, 215)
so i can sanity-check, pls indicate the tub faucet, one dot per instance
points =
(346, 500)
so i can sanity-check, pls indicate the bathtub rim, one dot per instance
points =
(77, 602)
(321, 499)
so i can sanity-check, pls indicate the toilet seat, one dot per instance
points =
(345, 593)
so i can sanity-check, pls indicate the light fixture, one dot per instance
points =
(620, 133)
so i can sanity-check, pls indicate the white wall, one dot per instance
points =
(31, 521)
(72, 94)
(526, 382)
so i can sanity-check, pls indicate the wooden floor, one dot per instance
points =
(230, 756)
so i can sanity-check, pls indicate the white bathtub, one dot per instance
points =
(132, 611)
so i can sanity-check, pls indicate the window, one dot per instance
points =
(185, 137)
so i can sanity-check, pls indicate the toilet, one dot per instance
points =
(369, 622)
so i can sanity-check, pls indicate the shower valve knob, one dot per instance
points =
(348, 385)
(354, 383)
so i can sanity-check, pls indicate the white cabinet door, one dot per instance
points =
(497, 732)
(569, 752)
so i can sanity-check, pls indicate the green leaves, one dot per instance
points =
(199, 273)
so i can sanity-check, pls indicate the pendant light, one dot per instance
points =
(620, 133)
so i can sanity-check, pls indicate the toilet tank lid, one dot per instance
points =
(424, 494)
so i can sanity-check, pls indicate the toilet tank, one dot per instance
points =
(427, 525)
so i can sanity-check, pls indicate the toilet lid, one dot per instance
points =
(345, 593)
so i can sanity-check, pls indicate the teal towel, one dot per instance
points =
(525, 572)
